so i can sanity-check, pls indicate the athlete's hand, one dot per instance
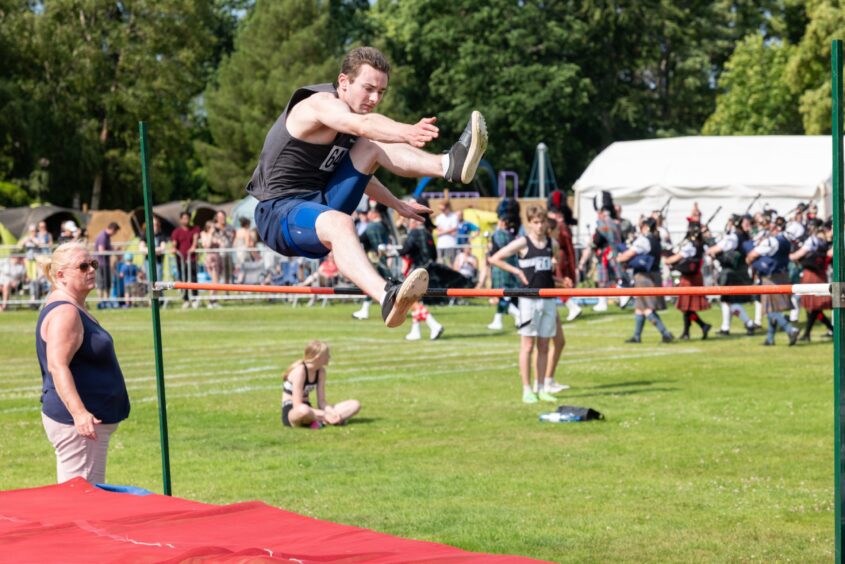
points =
(522, 278)
(422, 132)
(84, 424)
(412, 210)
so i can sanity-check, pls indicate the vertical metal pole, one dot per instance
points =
(542, 155)
(838, 277)
(151, 268)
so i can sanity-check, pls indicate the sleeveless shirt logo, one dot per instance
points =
(333, 159)
(539, 264)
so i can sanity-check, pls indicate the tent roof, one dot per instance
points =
(16, 220)
(793, 166)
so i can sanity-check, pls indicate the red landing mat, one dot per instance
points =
(77, 522)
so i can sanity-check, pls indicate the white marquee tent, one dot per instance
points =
(712, 171)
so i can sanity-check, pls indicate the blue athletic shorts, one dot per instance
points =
(287, 225)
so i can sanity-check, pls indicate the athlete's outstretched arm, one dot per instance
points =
(335, 114)
(380, 193)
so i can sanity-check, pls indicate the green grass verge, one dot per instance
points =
(718, 450)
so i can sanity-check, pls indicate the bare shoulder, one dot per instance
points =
(297, 374)
(63, 319)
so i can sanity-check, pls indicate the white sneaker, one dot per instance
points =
(624, 301)
(496, 325)
(362, 315)
(414, 334)
(186, 305)
(436, 331)
(555, 388)
(574, 310)
(601, 306)
(195, 304)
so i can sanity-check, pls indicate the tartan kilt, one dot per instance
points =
(649, 280)
(692, 303)
(775, 302)
(812, 303)
(503, 279)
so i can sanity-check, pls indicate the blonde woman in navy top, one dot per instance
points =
(83, 392)
(307, 376)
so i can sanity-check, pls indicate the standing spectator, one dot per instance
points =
(567, 266)
(185, 238)
(770, 259)
(83, 393)
(466, 264)
(466, 230)
(128, 276)
(243, 241)
(226, 237)
(687, 261)
(447, 229)
(160, 241)
(45, 238)
(538, 314)
(374, 239)
(643, 257)
(70, 232)
(211, 240)
(506, 228)
(12, 277)
(102, 246)
(31, 248)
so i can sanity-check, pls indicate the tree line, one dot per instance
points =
(210, 76)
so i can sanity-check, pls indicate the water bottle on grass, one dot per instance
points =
(556, 417)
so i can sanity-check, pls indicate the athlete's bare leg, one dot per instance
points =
(398, 158)
(336, 231)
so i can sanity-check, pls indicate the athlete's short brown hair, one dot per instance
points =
(363, 56)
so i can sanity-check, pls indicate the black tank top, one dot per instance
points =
(536, 264)
(307, 385)
(288, 166)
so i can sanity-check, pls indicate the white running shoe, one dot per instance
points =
(361, 315)
(465, 155)
(555, 388)
(436, 331)
(496, 324)
(574, 310)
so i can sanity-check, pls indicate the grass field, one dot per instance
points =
(717, 451)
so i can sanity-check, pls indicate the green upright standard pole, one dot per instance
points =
(151, 268)
(836, 290)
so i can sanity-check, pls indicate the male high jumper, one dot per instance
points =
(318, 161)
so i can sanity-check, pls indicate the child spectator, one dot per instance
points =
(538, 315)
(128, 276)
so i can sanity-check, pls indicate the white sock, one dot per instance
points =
(365, 307)
(758, 313)
(431, 322)
(726, 316)
(444, 163)
(740, 311)
(527, 389)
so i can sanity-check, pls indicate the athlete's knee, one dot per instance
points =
(365, 156)
(334, 222)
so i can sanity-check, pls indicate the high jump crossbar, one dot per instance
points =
(797, 289)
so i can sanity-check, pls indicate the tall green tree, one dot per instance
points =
(280, 46)
(507, 59)
(100, 68)
(756, 98)
(808, 71)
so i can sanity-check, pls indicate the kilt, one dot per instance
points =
(648, 280)
(775, 302)
(692, 303)
(731, 277)
(503, 279)
(812, 303)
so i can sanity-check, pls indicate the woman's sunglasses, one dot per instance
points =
(92, 264)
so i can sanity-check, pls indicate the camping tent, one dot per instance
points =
(712, 171)
(168, 214)
(16, 220)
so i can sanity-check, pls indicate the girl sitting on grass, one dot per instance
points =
(305, 376)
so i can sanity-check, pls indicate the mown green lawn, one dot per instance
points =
(718, 450)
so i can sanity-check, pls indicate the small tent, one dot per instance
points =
(17, 220)
(779, 171)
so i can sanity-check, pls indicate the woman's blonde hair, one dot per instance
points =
(60, 258)
(312, 352)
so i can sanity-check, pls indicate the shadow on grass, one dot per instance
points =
(362, 421)
(627, 384)
(618, 393)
